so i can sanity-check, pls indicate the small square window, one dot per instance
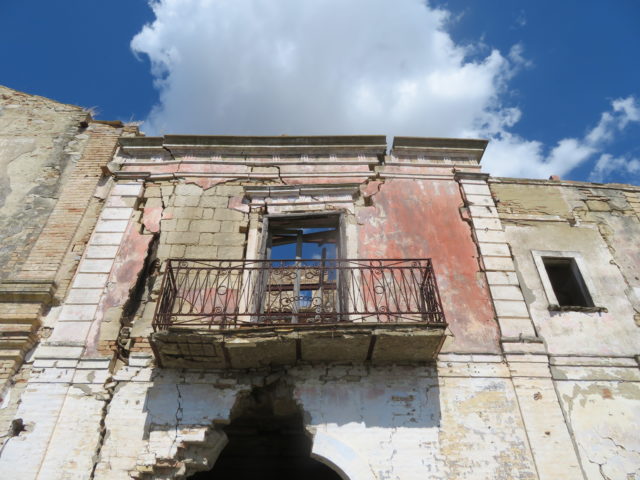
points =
(567, 282)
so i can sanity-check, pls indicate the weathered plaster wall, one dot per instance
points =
(567, 222)
(573, 332)
(96, 406)
(421, 219)
(604, 416)
(372, 423)
(593, 355)
(39, 139)
(189, 221)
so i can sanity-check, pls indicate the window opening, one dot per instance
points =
(567, 282)
(302, 280)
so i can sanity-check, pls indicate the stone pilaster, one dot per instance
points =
(524, 351)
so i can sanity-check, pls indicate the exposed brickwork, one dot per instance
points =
(53, 242)
(107, 347)
(39, 141)
(140, 344)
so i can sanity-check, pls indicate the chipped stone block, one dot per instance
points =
(480, 200)
(483, 212)
(474, 189)
(127, 190)
(493, 236)
(498, 263)
(502, 278)
(101, 251)
(487, 224)
(116, 213)
(506, 292)
(70, 331)
(106, 238)
(90, 280)
(58, 351)
(495, 249)
(511, 308)
(514, 327)
(108, 226)
(95, 266)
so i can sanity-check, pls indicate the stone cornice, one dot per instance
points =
(249, 145)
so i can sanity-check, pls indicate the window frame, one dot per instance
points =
(263, 247)
(580, 265)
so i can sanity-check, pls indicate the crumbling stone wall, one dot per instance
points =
(39, 140)
(51, 192)
(188, 221)
(593, 353)
(501, 407)
(371, 423)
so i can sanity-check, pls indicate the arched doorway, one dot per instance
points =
(267, 440)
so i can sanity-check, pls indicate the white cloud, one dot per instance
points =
(265, 67)
(510, 155)
(317, 67)
(607, 164)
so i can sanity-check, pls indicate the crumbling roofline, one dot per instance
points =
(565, 183)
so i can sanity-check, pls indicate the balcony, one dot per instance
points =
(254, 313)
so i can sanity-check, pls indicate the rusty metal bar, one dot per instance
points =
(222, 294)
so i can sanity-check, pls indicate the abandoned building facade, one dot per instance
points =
(306, 307)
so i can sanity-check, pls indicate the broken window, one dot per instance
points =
(567, 282)
(312, 237)
(301, 282)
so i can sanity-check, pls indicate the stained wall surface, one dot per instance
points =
(513, 385)
(593, 351)
(421, 219)
(38, 141)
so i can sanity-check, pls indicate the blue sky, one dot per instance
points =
(554, 85)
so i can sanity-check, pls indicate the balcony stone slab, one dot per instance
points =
(282, 345)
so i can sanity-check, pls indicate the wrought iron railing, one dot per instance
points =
(220, 294)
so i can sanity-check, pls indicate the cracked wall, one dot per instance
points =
(39, 140)
(487, 408)
(593, 353)
(420, 219)
(372, 423)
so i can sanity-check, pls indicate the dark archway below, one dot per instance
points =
(267, 440)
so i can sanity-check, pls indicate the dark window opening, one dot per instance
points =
(567, 282)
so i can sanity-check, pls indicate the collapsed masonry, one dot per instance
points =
(430, 321)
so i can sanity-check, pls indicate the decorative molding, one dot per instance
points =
(27, 291)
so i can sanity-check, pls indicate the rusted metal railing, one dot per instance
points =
(221, 294)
